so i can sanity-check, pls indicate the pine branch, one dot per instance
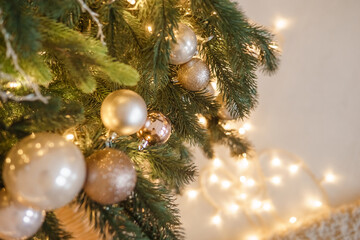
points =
(52, 229)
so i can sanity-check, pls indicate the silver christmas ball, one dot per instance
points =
(194, 75)
(111, 176)
(124, 112)
(156, 130)
(185, 47)
(44, 171)
(223, 113)
(18, 221)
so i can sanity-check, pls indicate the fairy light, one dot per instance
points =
(256, 204)
(13, 84)
(276, 180)
(233, 208)
(252, 237)
(192, 194)
(227, 126)
(330, 178)
(216, 219)
(243, 163)
(281, 23)
(242, 131)
(217, 162)
(70, 137)
(132, 2)
(292, 220)
(247, 126)
(250, 182)
(225, 184)
(293, 168)
(243, 179)
(202, 120)
(149, 28)
(276, 162)
(242, 196)
(315, 203)
(267, 207)
(213, 178)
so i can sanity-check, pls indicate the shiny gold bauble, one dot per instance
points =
(18, 221)
(156, 130)
(223, 113)
(111, 176)
(44, 171)
(194, 75)
(124, 112)
(185, 47)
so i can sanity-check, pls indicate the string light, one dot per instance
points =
(217, 162)
(266, 207)
(315, 203)
(243, 163)
(250, 182)
(214, 178)
(256, 204)
(281, 23)
(276, 180)
(13, 84)
(292, 220)
(225, 184)
(247, 126)
(252, 237)
(242, 196)
(243, 179)
(330, 178)
(202, 120)
(70, 137)
(233, 208)
(216, 219)
(293, 168)
(276, 162)
(192, 194)
(242, 131)
(149, 28)
(132, 2)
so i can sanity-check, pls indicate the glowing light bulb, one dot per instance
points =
(192, 194)
(227, 126)
(247, 126)
(292, 220)
(243, 179)
(316, 203)
(132, 2)
(330, 178)
(252, 237)
(225, 184)
(293, 168)
(250, 182)
(214, 178)
(13, 84)
(202, 120)
(233, 208)
(216, 219)
(256, 204)
(217, 163)
(242, 131)
(276, 162)
(149, 28)
(266, 207)
(243, 163)
(242, 196)
(276, 180)
(69, 136)
(281, 23)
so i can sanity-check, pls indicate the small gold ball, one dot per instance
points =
(194, 75)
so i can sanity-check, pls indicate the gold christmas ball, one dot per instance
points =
(156, 130)
(194, 75)
(124, 112)
(44, 171)
(111, 176)
(223, 113)
(16, 220)
(185, 47)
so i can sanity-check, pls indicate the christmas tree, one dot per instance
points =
(100, 100)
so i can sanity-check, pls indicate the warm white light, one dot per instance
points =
(192, 194)
(243, 179)
(276, 180)
(273, 46)
(243, 196)
(250, 182)
(276, 162)
(225, 184)
(281, 23)
(216, 219)
(217, 162)
(13, 84)
(149, 28)
(316, 203)
(214, 178)
(69, 136)
(267, 206)
(242, 131)
(252, 237)
(233, 208)
(202, 120)
(247, 126)
(256, 204)
(132, 2)
(227, 126)
(243, 163)
(330, 178)
(293, 168)
(292, 220)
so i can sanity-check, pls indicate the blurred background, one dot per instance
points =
(305, 130)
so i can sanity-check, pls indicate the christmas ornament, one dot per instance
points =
(44, 171)
(185, 47)
(18, 221)
(156, 130)
(194, 75)
(210, 90)
(223, 111)
(124, 112)
(111, 176)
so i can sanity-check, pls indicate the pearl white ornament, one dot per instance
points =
(185, 47)
(18, 221)
(44, 171)
(124, 112)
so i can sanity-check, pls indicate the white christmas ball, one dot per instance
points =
(44, 171)
(185, 47)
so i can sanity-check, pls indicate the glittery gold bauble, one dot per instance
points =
(194, 75)
(111, 176)
(223, 111)
(185, 47)
(124, 112)
(44, 171)
(156, 130)
(18, 221)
